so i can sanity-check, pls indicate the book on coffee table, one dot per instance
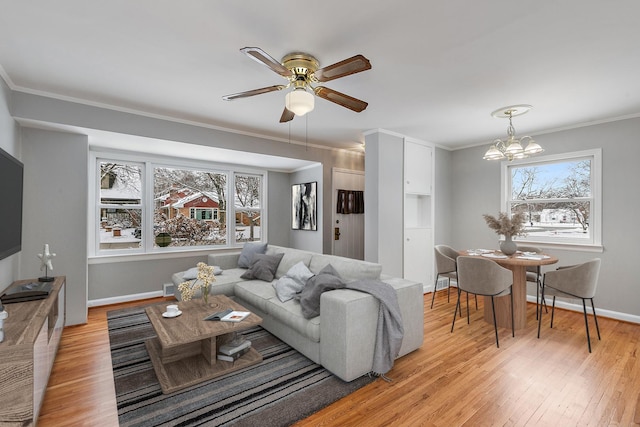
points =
(230, 349)
(235, 356)
(235, 316)
(218, 315)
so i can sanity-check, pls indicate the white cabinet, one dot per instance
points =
(417, 167)
(399, 205)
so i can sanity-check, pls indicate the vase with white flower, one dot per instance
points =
(509, 227)
(203, 282)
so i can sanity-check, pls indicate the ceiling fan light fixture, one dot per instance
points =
(299, 101)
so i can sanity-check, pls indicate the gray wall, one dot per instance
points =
(307, 239)
(99, 278)
(476, 190)
(279, 200)
(10, 142)
(55, 210)
(443, 192)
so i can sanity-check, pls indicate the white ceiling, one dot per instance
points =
(439, 68)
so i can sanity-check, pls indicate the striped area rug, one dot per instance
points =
(284, 388)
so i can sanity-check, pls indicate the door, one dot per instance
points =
(347, 229)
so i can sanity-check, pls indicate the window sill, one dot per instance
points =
(133, 257)
(578, 247)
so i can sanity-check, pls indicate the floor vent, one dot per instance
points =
(168, 289)
(442, 283)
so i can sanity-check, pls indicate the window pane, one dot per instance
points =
(557, 198)
(557, 219)
(120, 183)
(184, 204)
(120, 228)
(560, 180)
(247, 203)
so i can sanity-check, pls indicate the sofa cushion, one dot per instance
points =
(349, 269)
(326, 280)
(248, 251)
(292, 282)
(263, 267)
(291, 257)
(256, 293)
(290, 314)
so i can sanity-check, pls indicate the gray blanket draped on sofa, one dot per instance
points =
(389, 330)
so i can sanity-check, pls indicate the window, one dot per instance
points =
(248, 207)
(560, 196)
(184, 204)
(120, 205)
(143, 206)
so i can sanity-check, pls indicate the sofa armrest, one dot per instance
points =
(347, 332)
(411, 302)
(225, 260)
(348, 327)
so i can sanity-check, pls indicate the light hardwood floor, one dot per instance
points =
(455, 379)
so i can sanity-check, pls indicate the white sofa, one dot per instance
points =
(342, 338)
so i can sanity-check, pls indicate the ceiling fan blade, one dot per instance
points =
(287, 115)
(349, 66)
(340, 98)
(264, 58)
(253, 92)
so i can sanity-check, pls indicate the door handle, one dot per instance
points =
(336, 233)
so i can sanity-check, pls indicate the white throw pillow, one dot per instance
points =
(292, 282)
(192, 273)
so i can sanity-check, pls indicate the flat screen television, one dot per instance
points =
(11, 178)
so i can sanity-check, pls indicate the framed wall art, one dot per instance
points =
(303, 206)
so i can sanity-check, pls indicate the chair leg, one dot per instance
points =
(540, 318)
(476, 297)
(435, 288)
(513, 328)
(553, 310)
(593, 307)
(455, 312)
(495, 324)
(586, 323)
(538, 302)
(448, 289)
(467, 308)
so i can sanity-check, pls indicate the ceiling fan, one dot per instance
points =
(303, 72)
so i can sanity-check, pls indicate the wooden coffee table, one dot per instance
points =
(184, 351)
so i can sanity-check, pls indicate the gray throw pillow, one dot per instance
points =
(248, 251)
(263, 267)
(326, 280)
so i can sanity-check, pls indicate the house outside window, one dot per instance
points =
(560, 196)
(203, 214)
(120, 209)
(143, 206)
(248, 207)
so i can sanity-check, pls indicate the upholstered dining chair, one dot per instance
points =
(445, 267)
(534, 275)
(577, 281)
(480, 276)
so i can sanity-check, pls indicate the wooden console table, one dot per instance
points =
(32, 333)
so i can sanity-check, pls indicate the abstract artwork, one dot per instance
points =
(303, 206)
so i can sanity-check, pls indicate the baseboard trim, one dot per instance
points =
(625, 317)
(123, 298)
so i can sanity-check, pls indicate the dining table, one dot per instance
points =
(517, 263)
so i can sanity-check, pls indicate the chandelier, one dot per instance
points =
(512, 147)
